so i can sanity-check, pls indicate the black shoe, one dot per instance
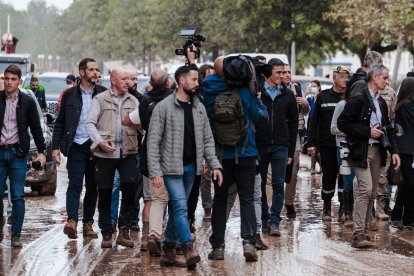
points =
(217, 253)
(290, 211)
(274, 229)
(249, 252)
(154, 245)
(396, 224)
(265, 227)
(15, 241)
(260, 245)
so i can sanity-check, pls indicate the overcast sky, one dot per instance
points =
(22, 4)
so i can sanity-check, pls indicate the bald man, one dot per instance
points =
(115, 147)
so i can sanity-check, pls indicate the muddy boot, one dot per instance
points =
(191, 255)
(260, 245)
(154, 245)
(124, 238)
(348, 209)
(15, 241)
(217, 253)
(88, 230)
(106, 241)
(361, 241)
(380, 214)
(168, 257)
(1, 229)
(326, 216)
(265, 227)
(290, 211)
(144, 239)
(207, 214)
(249, 252)
(70, 229)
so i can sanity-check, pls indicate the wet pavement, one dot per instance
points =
(307, 245)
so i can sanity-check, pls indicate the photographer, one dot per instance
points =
(364, 121)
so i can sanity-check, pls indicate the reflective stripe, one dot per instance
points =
(328, 192)
(328, 104)
(340, 190)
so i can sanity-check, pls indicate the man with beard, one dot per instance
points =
(70, 138)
(179, 138)
(115, 147)
(39, 91)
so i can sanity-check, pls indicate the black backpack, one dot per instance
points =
(229, 128)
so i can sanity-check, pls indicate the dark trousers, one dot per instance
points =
(105, 171)
(243, 175)
(80, 163)
(330, 169)
(193, 199)
(404, 205)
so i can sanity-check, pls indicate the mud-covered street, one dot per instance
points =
(307, 245)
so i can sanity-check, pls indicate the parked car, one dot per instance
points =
(304, 80)
(43, 181)
(54, 83)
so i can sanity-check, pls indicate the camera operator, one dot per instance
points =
(364, 120)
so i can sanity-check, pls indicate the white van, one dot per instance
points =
(268, 56)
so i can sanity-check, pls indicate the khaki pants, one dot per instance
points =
(159, 202)
(365, 190)
(382, 192)
(290, 188)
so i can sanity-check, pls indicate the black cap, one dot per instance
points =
(70, 77)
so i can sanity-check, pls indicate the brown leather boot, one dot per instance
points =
(144, 239)
(88, 230)
(191, 255)
(168, 257)
(124, 238)
(70, 229)
(106, 242)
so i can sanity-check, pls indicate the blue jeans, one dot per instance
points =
(348, 180)
(15, 167)
(276, 156)
(179, 188)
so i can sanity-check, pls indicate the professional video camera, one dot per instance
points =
(191, 38)
(392, 129)
(345, 168)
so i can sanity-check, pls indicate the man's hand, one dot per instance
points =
(56, 156)
(157, 181)
(289, 161)
(301, 101)
(42, 158)
(396, 160)
(191, 55)
(375, 132)
(205, 168)
(259, 95)
(311, 151)
(106, 146)
(218, 177)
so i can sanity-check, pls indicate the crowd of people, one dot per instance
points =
(183, 136)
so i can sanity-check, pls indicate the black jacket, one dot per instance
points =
(358, 82)
(68, 118)
(404, 116)
(319, 134)
(27, 116)
(282, 127)
(146, 106)
(354, 121)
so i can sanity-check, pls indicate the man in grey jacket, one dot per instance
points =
(179, 138)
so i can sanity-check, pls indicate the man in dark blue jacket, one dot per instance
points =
(276, 142)
(242, 172)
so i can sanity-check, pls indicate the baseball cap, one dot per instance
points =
(341, 69)
(70, 77)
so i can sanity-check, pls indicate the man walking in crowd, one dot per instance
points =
(239, 164)
(363, 120)
(71, 139)
(293, 168)
(115, 147)
(179, 138)
(276, 141)
(320, 138)
(18, 113)
(39, 92)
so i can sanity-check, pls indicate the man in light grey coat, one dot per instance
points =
(179, 138)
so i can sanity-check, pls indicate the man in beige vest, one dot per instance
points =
(115, 147)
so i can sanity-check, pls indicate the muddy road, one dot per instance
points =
(307, 245)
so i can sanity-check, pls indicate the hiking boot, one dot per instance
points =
(373, 226)
(1, 229)
(168, 257)
(249, 252)
(207, 214)
(15, 241)
(9, 220)
(274, 229)
(217, 253)
(154, 245)
(348, 221)
(380, 214)
(124, 238)
(290, 211)
(191, 254)
(144, 238)
(360, 241)
(260, 245)
(135, 227)
(88, 230)
(265, 227)
(397, 224)
(326, 215)
(106, 242)
(70, 229)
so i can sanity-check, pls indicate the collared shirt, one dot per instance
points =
(273, 92)
(10, 130)
(81, 136)
(376, 116)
